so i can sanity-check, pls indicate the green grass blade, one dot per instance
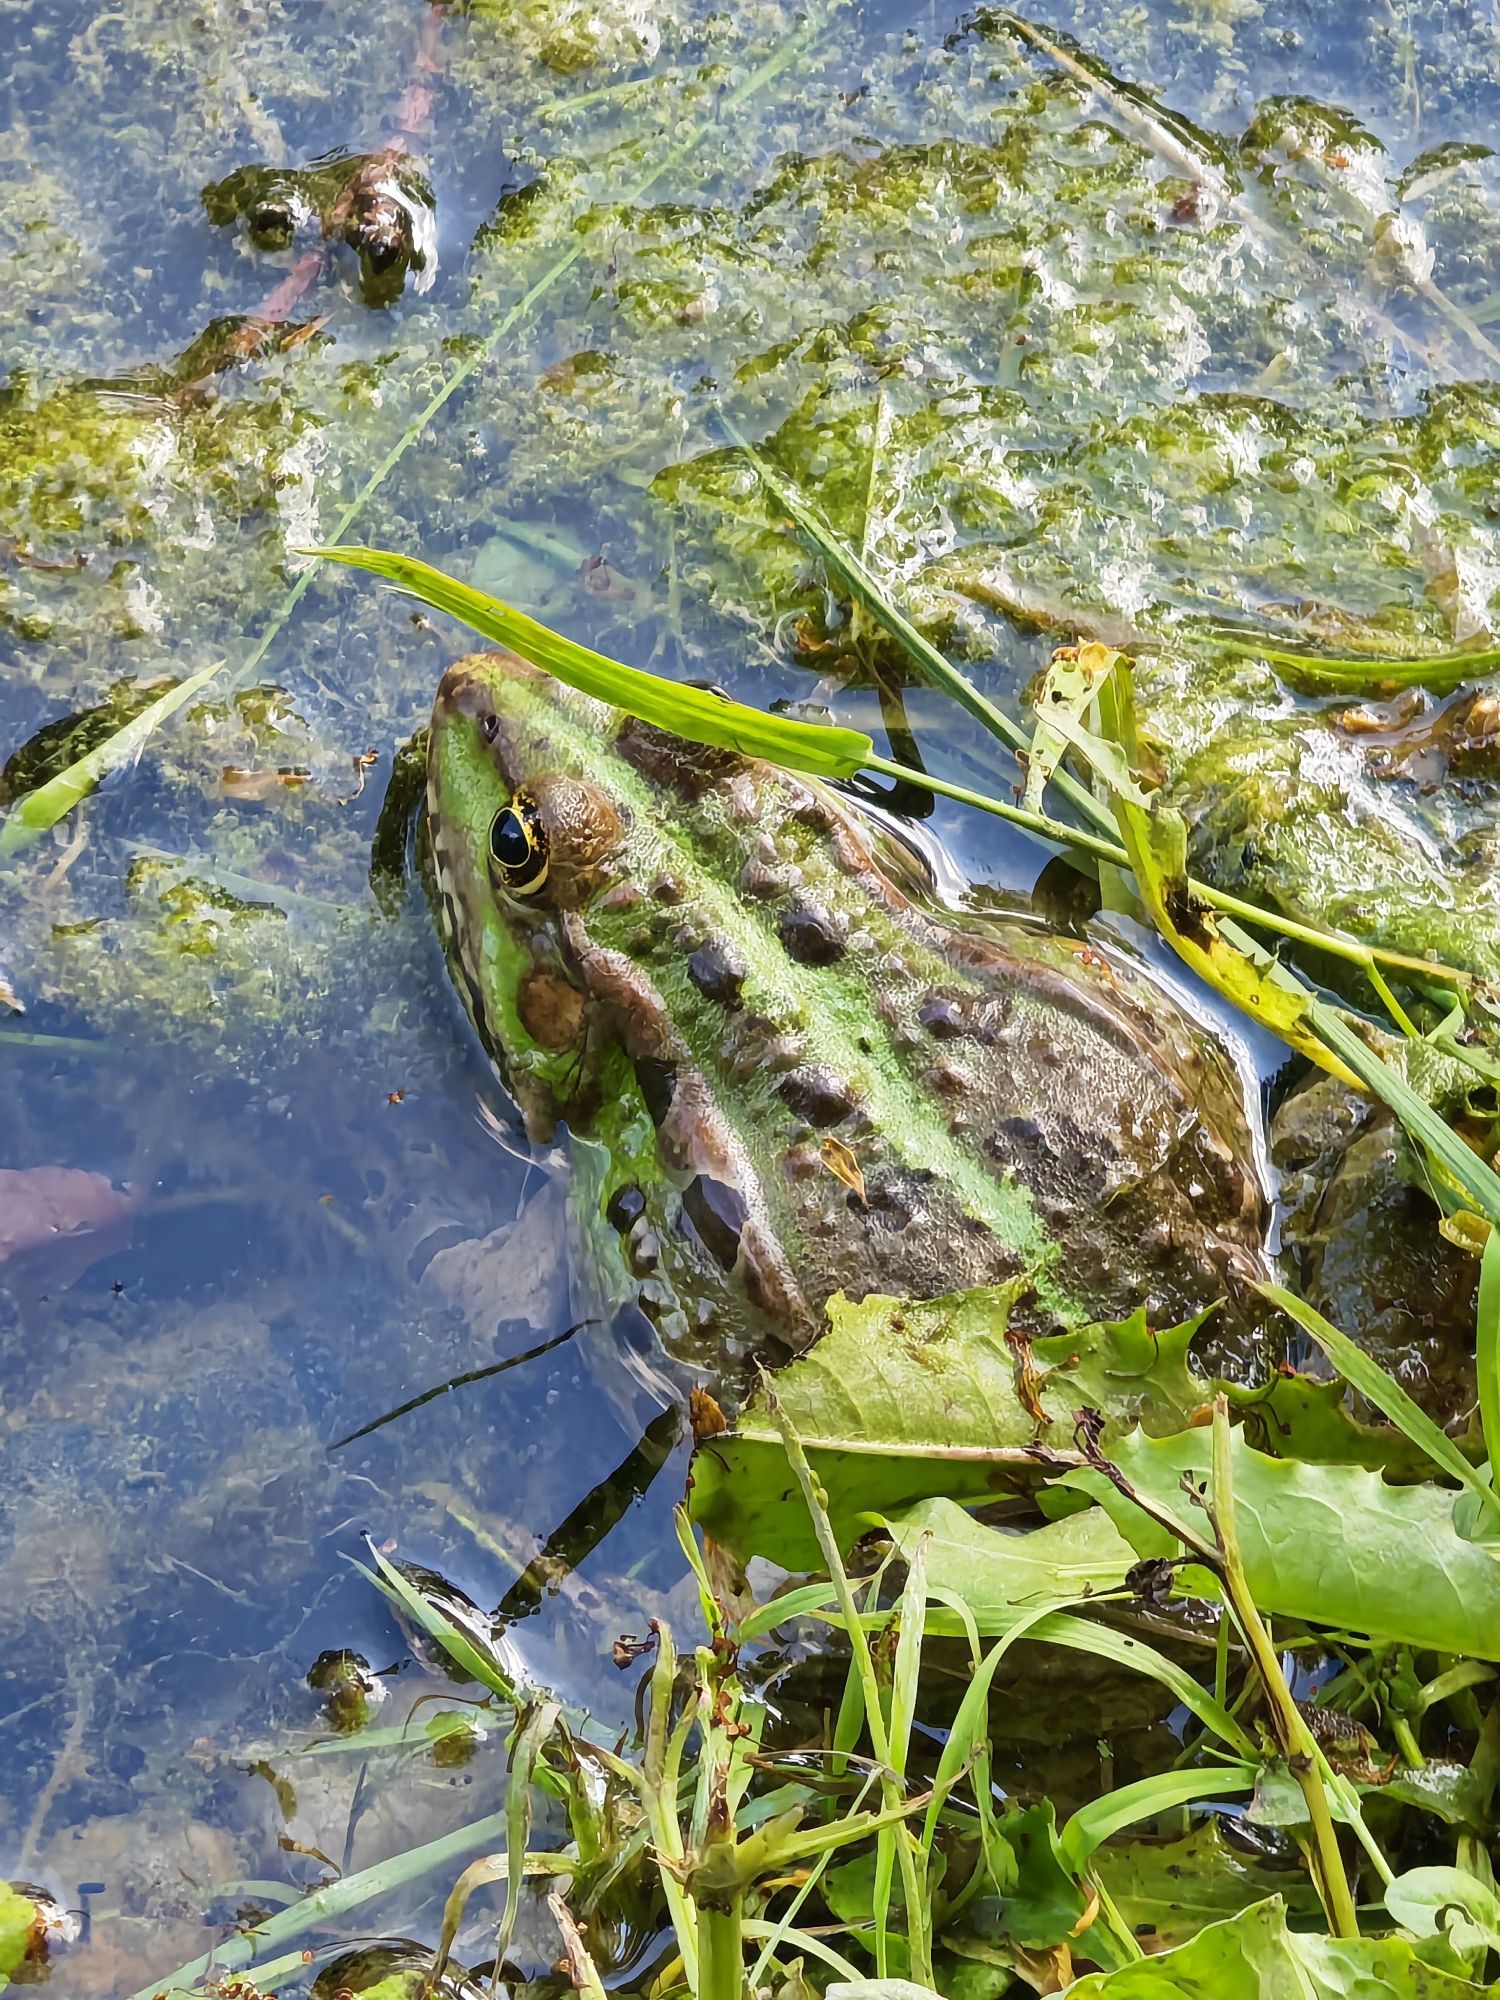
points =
(967, 1740)
(1101, 1818)
(1362, 1372)
(535, 1732)
(906, 1671)
(1082, 1635)
(818, 748)
(479, 1663)
(239, 1951)
(1487, 1348)
(1359, 674)
(45, 806)
(867, 591)
(1459, 1163)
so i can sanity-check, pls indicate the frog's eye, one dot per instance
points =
(518, 847)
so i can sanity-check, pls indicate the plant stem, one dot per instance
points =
(1104, 849)
(721, 1951)
(1292, 1733)
(906, 1854)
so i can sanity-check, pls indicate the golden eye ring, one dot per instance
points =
(518, 847)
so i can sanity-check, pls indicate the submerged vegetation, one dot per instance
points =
(1085, 426)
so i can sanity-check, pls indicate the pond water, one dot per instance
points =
(974, 278)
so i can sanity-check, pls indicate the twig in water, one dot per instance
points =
(460, 1382)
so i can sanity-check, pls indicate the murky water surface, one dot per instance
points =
(1190, 316)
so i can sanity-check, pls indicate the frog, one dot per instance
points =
(1361, 1231)
(381, 204)
(785, 1069)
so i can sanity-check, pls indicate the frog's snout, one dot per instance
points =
(469, 685)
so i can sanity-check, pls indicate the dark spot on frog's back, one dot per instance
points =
(816, 1094)
(718, 974)
(941, 1016)
(690, 769)
(718, 1212)
(658, 1084)
(626, 1206)
(809, 934)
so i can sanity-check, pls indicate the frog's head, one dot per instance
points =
(522, 842)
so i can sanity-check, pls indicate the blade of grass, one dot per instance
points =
(489, 1868)
(1362, 1372)
(1459, 1164)
(1487, 1347)
(967, 1741)
(907, 1852)
(867, 591)
(241, 1949)
(1293, 1736)
(903, 1708)
(806, 1943)
(480, 1663)
(787, 1919)
(64, 791)
(1104, 1817)
(1081, 1636)
(535, 1732)
(49, 802)
(582, 1971)
(700, 713)
(1357, 674)
(819, 748)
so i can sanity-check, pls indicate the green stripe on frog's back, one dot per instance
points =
(823, 1033)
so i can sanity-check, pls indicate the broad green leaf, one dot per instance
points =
(1451, 1792)
(1045, 1904)
(19, 1919)
(895, 1402)
(898, 1402)
(1077, 1557)
(1068, 690)
(1039, 1904)
(990, 1573)
(1332, 1544)
(1255, 1956)
(1166, 1891)
(820, 748)
(1134, 1373)
(1437, 1902)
